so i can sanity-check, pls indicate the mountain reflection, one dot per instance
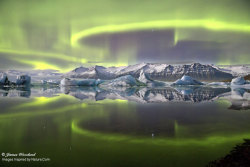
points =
(238, 97)
(148, 95)
(15, 92)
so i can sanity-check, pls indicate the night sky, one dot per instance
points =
(60, 34)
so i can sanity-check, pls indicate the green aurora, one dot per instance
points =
(64, 34)
(43, 124)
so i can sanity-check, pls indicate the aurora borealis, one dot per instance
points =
(62, 34)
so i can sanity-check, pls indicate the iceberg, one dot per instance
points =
(80, 82)
(50, 82)
(68, 82)
(238, 81)
(144, 78)
(89, 82)
(124, 81)
(23, 80)
(43, 82)
(4, 79)
(187, 80)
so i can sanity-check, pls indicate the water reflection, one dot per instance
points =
(15, 92)
(148, 95)
(67, 123)
(238, 97)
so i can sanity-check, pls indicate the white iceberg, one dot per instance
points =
(50, 82)
(23, 80)
(187, 80)
(3, 79)
(68, 82)
(80, 82)
(53, 82)
(144, 78)
(43, 82)
(238, 81)
(124, 81)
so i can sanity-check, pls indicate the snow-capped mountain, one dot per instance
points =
(163, 72)
(235, 70)
(96, 72)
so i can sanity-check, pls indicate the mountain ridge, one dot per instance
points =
(156, 71)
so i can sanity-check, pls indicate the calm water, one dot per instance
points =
(124, 127)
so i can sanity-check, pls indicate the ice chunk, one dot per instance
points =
(238, 81)
(80, 82)
(68, 82)
(144, 78)
(44, 82)
(187, 80)
(124, 81)
(23, 80)
(3, 79)
(88, 82)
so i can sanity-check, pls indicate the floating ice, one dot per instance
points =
(80, 82)
(124, 81)
(144, 78)
(187, 80)
(23, 80)
(238, 81)
(3, 79)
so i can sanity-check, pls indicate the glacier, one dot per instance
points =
(156, 71)
(186, 80)
(123, 81)
(144, 78)
(3, 79)
(80, 82)
(23, 80)
(238, 81)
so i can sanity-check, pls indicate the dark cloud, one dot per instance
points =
(159, 45)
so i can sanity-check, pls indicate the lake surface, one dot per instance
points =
(180, 126)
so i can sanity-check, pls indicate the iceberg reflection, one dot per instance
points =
(238, 97)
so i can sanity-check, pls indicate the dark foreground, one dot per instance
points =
(238, 157)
